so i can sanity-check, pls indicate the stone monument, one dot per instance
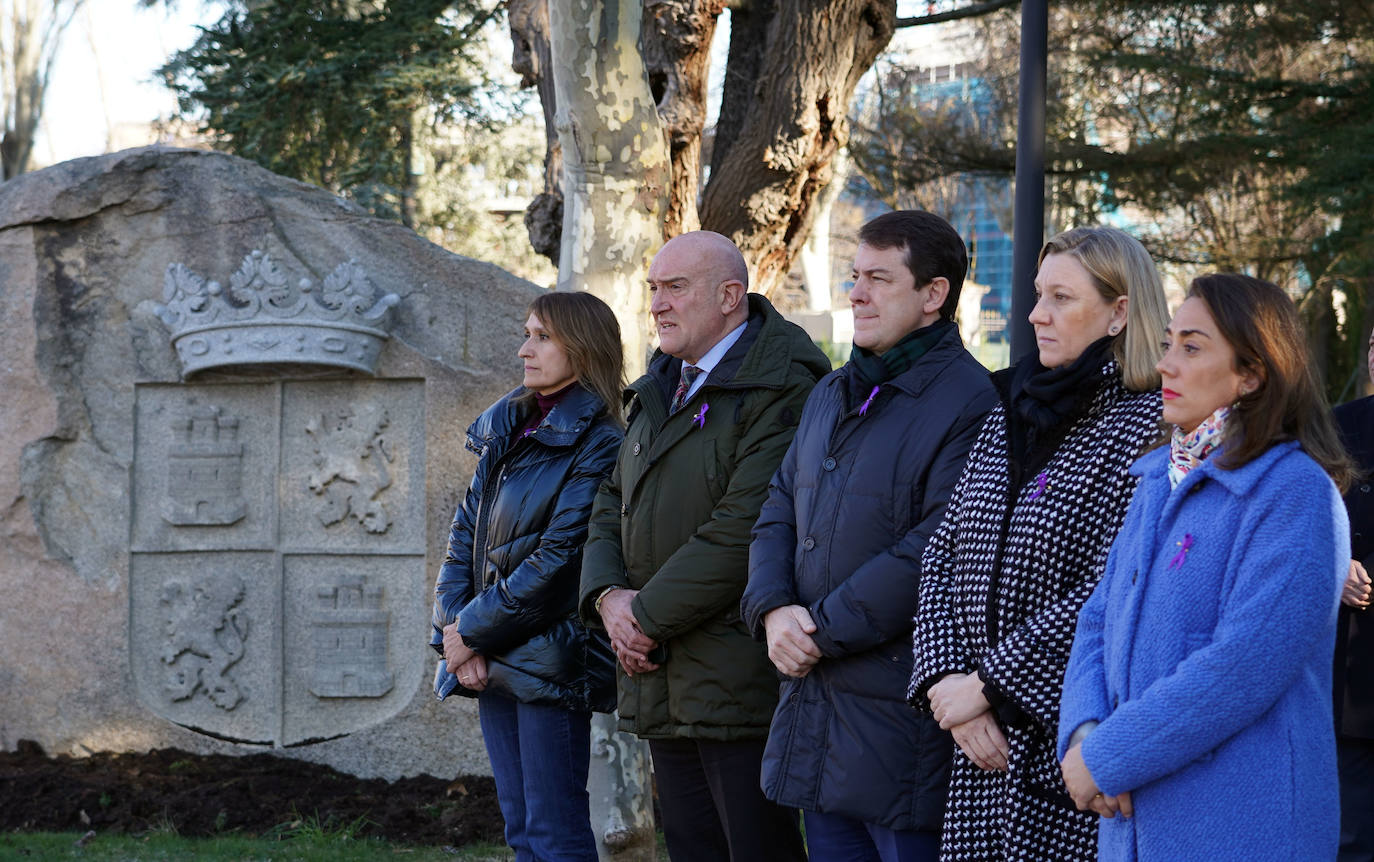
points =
(232, 444)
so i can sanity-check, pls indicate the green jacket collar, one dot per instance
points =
(762, 358)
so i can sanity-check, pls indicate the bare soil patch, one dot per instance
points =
(257, 794)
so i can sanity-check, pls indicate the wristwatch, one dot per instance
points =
(601, 595)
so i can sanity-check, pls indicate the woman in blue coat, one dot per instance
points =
(505, 604)
(1196, 715)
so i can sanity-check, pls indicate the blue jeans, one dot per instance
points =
(539, 757)
(836, 838)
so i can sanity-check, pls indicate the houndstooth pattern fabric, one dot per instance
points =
(1017, 634)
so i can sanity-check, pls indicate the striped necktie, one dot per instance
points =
(689, 375)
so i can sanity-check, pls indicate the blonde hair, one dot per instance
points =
(1120, 266)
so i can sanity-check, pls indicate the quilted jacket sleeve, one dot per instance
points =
(879, 600)
(772, 550)
(532, 596)
(453, 588)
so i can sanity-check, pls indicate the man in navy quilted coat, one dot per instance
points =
(835, 563)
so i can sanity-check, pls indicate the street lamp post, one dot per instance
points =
(1028, 226)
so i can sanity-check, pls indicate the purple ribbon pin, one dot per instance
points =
(1182, 554)
(699, 420)
(1040, 482)
(868, 402)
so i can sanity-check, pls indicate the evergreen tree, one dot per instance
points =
(1232, 133)
(336, 92)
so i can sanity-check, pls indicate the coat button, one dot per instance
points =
(808, 543)
(635, 450)
(624, 510)
(828, 463)
(1364, 489)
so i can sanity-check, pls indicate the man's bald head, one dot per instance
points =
(716, 251)
(698, 282)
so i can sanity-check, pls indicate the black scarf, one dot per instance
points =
(1045, 397)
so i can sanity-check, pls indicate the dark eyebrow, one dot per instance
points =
(1181, 333)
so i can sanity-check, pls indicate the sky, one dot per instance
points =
(103, 75)
(104, 88)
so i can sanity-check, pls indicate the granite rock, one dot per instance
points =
(243, 559)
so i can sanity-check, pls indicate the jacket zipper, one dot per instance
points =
(479, 535)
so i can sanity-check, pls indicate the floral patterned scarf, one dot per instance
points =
(1189, 449)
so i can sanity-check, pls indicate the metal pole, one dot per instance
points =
(1028, 225)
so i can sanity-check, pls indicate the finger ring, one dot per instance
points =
(1097, 796)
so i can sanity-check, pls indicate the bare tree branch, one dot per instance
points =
(973, 11)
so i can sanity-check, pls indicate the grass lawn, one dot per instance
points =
(166, 846)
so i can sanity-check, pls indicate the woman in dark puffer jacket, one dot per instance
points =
(505, 604)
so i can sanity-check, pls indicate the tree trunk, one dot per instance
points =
(763, 192)
(621, 792)
(675, 42)
(532, 59)
(615, 160)
(815, 253)
(29, 34)
(409, 205)
(749, 21)
(615, 195)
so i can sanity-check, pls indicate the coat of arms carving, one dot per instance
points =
(277, 535)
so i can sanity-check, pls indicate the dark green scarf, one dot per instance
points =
(870, 369)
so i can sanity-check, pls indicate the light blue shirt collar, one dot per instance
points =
(708, 362)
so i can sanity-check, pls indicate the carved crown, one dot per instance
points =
(263, 318)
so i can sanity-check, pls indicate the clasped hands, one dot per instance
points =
(958, 703)
(630, 644)
(788, 630)
(1084, 790)
(462, 662)
(1357, 589)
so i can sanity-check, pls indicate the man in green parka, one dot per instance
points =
(667, 557)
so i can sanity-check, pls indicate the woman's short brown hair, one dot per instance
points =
(1120, 266)
(1262, 326)
(586, 329)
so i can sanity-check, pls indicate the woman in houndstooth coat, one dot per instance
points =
(1024, 540)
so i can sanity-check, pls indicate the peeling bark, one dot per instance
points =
(621, 793)
(763, 193)
(675, 42)
(615, 160)
(789, 81)
(532, 60)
